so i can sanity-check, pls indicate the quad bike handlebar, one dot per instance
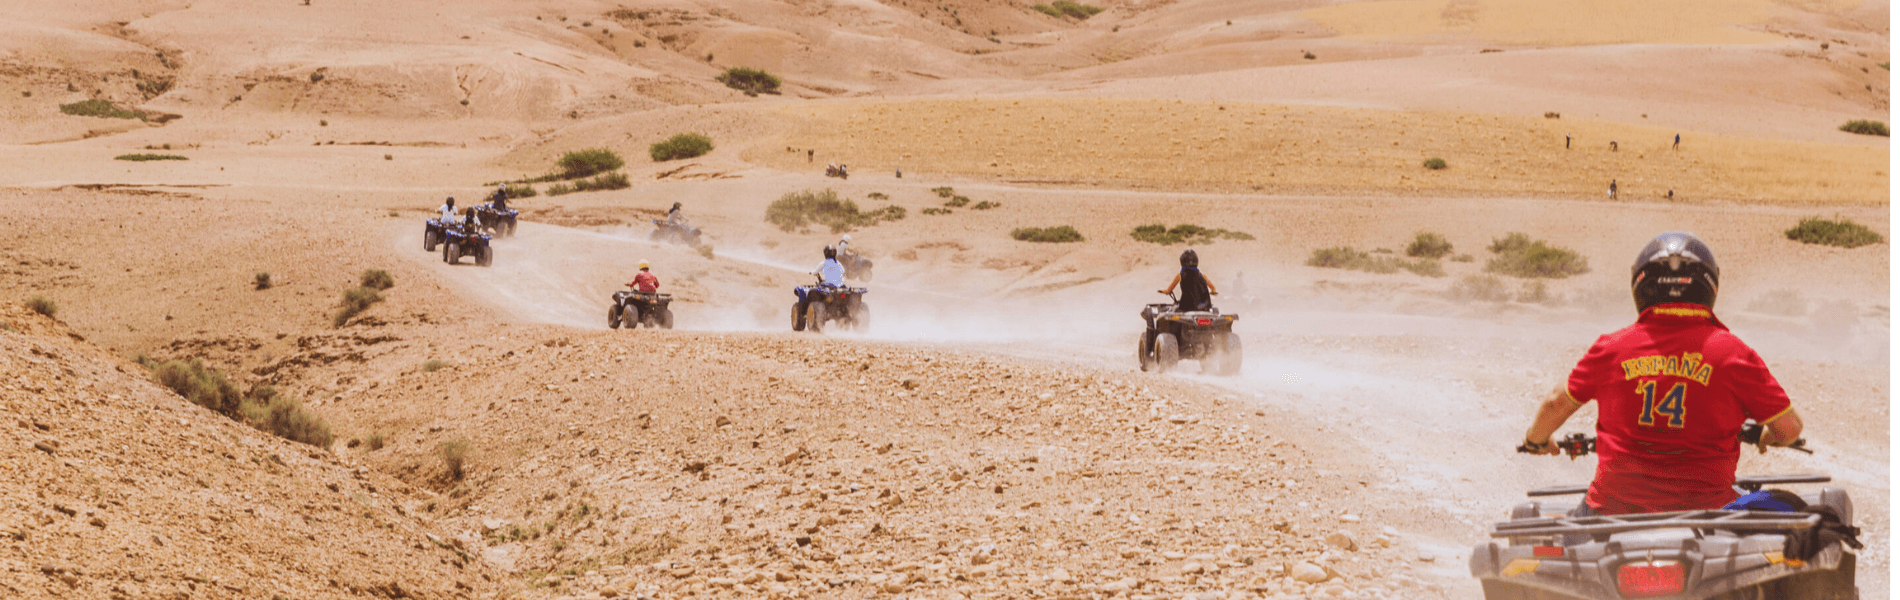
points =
(1577, 444)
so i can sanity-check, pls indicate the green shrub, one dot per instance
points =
(1425, 267)
(378, 278)
(203, 386)
(1865, 127)
(1464, 258)
(1435, 163)
(957, 202)
(1062, 234)
(583, 163)
(749, 80)
(610, 181)
(1483, 288)
(148, 157)
(524, 191)
(98, 108)
(1345, 257)
(799, 211)
(1520, 256)
(355, 301)
(454, 455)
(684, 145)
(1843, 233)
(375, 441)
(1184, 233)
(986, 205)
(432, 365)
(1428, 245)
(288, 419)
(1535, 292)
(40, 304)
(877, 196)
(561, 189)
(943, 192)
(1048, 10)
(1071, 8)
(937, 211)
(261, 280)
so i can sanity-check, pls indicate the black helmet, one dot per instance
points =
(1190, 260)
(451, 201)
(1675, 267)
(831, 251)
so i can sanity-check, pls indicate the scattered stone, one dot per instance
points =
(47, 447)
(1349, 518)
(722, 421)
(1342, 540)
(1306, 572)
(1426, 556)
(609, 592)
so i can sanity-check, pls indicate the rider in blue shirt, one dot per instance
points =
(830, 272)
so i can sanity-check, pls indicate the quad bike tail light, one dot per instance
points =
(1547, 551)
(1203, 321)
(1651, 580)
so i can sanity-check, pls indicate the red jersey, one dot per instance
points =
(1672, 391)
(645, 282)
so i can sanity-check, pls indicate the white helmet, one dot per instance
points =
(847, 237)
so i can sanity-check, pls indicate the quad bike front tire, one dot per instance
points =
(1167, 352)
(430, 240)
(613, 317)
(666, 318)
(798, 317)
(452, 253)
(1231, 355)
(487, 257)
(630, 317)
(1145, 351)
(816, 322)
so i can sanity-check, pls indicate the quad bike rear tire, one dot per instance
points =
(1167, 352)
(657, 236)
(816, 322)
(429, 240)
(511, 229)
(630, 317)
(861, 318)
(613, 317)
(487, 257)
(452, 253)
(1145, 351)
(798, 317)
(666, 318)
(1231, 355)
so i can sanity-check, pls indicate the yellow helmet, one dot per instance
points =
(643, 264)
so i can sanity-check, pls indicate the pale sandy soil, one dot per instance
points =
(990, 435)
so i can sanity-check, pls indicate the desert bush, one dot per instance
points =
(1428, 245)
(1061, 234)
(287, 418)
(705, 251)
(1435, 163)
(261, 280)
(943, 192)
(40, 304)
(1536, 292)
(1520, 256)
(454, 455)
(1843, 233)
(433, 365)
(1425, 267)
(1483, 288)
(1345, 257)
(202, 385)
(877, 196)
(1464, 258)
(1071, 8)
(1185, 233)
(610, 181)
(583, 163)
(318, 75)
(148, 157)
(378, 278)
(957, 202)
(522, 191)
(799, 211)
(749, 80)
(683, 145)
(561, 189)
(986, 205)
(937, 211)
(375, 441)
(1865, 127)
(355, 301)
(95, 107)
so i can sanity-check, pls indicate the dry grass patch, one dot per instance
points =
(1843, 233)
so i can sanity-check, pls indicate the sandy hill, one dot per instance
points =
(116, 487)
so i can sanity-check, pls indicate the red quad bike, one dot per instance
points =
(1546, 554)
(1175, 335)
(821, 304)
(632, 309)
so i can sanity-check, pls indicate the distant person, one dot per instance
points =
(1612, 145)
(1612, 189)
(1678, 142)
(1672, 194)
(1566, 141)
(1196, 290)
(644, 281)
(674, 216)
(900, 172)
(448, 211)
(809, 154)
(830, 273)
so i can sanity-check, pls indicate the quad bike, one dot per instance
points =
(674, 233)
(820, 304)
(632, 309)
(838, 172)
(465, 241)
(499, 221)
(1550, 554)
(1175, 335)
(856, 266)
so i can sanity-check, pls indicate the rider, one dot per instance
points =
(674, 217)
(500, 199)
(448, 211)
(1195, 288)
(830, 273)
(469, 223)
(842, 243)
(1673, 389)
(644, 281)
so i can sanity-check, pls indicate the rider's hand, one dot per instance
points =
(1161, 291)
(1549, 449)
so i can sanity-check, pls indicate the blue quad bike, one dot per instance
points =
(1175, 335)
(462, 241)
(674, 233)
(1546, 553)
(499, 221)
(633, 308)
(820, 305)
(434, 233)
